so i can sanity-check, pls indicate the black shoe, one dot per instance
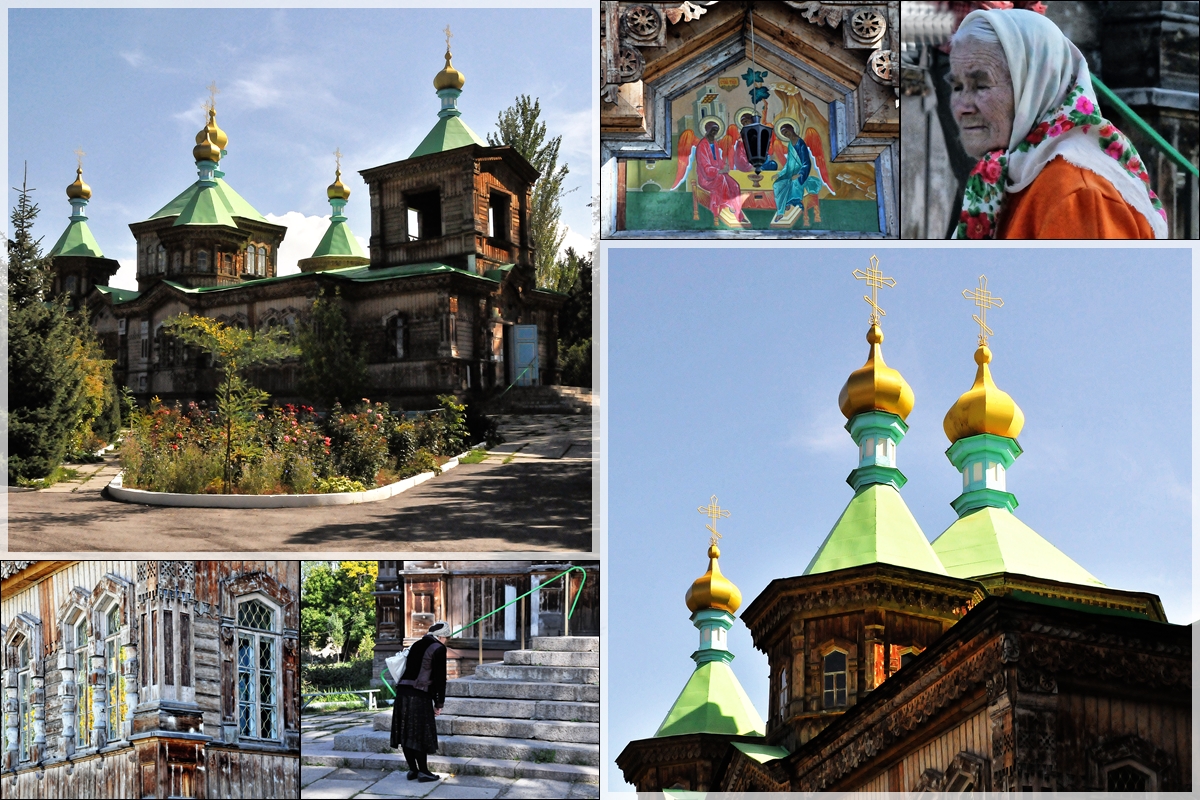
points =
(428, 777)
(412, 774)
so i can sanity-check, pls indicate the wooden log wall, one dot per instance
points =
(1084, 720)
(236, 774)
(971, 735)
(113, 775)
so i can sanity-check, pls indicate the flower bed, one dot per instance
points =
(285, 451)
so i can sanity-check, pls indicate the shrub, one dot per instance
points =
(359, 440)
(263, 476)
(576, 368)
(423, 461)
(402, 442)
(347, 675)
(339, 483)
(482, 428)
(453, 434)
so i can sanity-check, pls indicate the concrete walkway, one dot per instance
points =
(375, 781)
(533, 493)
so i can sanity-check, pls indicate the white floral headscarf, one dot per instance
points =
(1055, 114)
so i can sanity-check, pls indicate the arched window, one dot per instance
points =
(835, 679)
(177, 263)
(162, 259)
(249, 267)
(394, 344)
(24, 701)
(262, 261)
(202, 260)
(83, 694)
(113, 671)
(783, 693)
(258, 654)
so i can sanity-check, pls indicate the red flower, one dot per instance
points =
(328, 441)
(990, 172)
(1038, 134)
(978, 227)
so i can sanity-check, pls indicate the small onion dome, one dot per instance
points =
(212, 131)
(983, 408)
(337, 190)
(449, 77)
(712, 589)
(875, 386)
(79, 189)
(206, 150)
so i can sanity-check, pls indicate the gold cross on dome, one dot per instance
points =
(79, 154)
(213, 91)
(876, 280)
(713, 512)
(985, 300)
(449, 36)
(337, 154)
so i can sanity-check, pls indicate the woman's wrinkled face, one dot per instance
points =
(981, 96)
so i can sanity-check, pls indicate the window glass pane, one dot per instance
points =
(266, 690)
(835, 662)
(254, 614)
(267, 728)
(266, 655)
(245, 653)
(245, 721)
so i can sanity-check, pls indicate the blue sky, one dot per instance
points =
(127, 85)
(724, 370)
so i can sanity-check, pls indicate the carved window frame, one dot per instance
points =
(116, 693)
(25, 698)
(782, 692)
(1152, 780)
(395, 327)
(113, 594)
(74, 667)
(23, 660)
(826, 652)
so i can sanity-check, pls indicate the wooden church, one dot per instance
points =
(150, 679)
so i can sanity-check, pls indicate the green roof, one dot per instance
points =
(118, 295)
(206, 207)
(232, 202)
(762, 753)
(712, 702)
(992, 540)
(449, 133)
(338, 241)
(875, 527)
(77, 240)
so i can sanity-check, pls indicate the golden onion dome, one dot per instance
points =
(206, 150)
(449, 77)
(212, 131)
(983, 408)
(79, 189)
(875, 386)
(337, 189)
(712, 589)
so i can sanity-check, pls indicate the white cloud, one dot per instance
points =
(135, 59)
(823, 432)
(303, 236)
(575, 127)
(581, 243)
(126, 276)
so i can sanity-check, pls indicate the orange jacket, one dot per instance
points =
(1069, 202)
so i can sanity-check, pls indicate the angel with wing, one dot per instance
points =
(708, 160)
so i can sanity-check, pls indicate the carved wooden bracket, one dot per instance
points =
(626, 27)
(866, 28)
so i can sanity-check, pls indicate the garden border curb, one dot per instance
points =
(180, 500)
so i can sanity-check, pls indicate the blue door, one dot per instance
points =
(527, 355)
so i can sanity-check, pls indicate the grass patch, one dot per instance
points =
(474, 457)
(510, 458)
(59, 474)
(544, 756)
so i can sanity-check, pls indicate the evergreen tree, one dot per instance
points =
(334, 365)
(575, 322)
(45, 377)
(520, 127)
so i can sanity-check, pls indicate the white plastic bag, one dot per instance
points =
(396, 664)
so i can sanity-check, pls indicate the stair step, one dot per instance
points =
(509, 709)
(541, 730)
(552, 658)
(505, 672)
(524, 690)
(451, 765)
(519, 749)
(569, 643)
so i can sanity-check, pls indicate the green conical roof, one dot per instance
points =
(712, 702)
(77, 240)
(234, 204)
(206, 207)
(448, 134)
(875, 527)
(338, 241)
(992, 540)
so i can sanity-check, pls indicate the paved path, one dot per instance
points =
(533, 493)
(367, 783)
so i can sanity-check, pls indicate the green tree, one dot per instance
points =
(334, 365)
(233, 351)
(575, 323)
(337, 633)
(344, 591)
(520, 127)
(46, 380)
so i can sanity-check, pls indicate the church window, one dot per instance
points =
(258, 670)
(177, 263)
(145, 339)
(24, 702)
(907, 655)
(835, 679)
(395, 337)
(249, 266)
(1127, 778)
(498, 216)
(978, 470)
(161, 259)
(262, 261)
(114, 676)
(424, 215)
(83, 697)
(202, 260)
(70, 284)
(783, 694)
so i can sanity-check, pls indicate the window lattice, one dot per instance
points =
(1127, 779)
(835, 679)
(256, 615)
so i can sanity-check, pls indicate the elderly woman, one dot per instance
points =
(1050, 167)
(420, 695)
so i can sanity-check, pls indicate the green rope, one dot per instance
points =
(1124, 110)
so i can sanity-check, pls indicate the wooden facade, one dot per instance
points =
(412, 595)
(151, 679)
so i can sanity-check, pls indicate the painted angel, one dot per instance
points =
(708, 161)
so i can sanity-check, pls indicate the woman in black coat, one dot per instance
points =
(420, 695)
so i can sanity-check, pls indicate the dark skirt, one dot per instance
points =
(413, 723)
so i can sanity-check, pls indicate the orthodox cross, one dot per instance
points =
(713, 512)
(79, 154)
(337, 154)
(876, 280)
(449, 36)
(985, 300)
(213, 91)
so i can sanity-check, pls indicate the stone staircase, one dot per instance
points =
(542, 400)
(536, 715)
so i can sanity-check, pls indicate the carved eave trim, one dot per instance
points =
(18, 575)
(744, 774)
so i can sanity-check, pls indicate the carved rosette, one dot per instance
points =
(884, 67)
(626, 27)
